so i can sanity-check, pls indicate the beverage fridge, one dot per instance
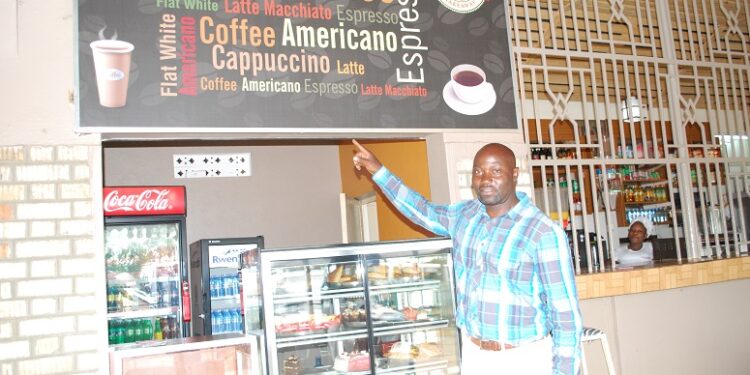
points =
(214, 277)
(145, 254)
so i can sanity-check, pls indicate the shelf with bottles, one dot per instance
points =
(131, 330)
(144, 296)
(144, 313)
(228, 320)
(657, 216)
(225, 292)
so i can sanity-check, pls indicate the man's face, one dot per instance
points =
(494, 177)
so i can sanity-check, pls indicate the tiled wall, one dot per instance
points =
(48, 266)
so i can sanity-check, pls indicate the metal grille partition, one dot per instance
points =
(638, 109)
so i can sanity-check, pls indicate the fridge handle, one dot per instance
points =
(186, 314)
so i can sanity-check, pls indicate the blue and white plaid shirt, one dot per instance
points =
(514, 275)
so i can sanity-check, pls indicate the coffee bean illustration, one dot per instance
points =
(439, 61)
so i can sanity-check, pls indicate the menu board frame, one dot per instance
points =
(154, 66)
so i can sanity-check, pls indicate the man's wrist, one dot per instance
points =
(379, 173)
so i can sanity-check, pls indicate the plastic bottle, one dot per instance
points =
(111, 298)
(214, 322)
(212, 285)
(119, 332)
(224, 320)
(166, 331)
(111, 330)
(158, 335)
(236, 321)
(220, 286)
(129, 331)
(118, 299)
(228, 285)
(138, 330)
(148, 330)
(174, 293)
(236, 285)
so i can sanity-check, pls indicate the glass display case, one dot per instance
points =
(385, 307)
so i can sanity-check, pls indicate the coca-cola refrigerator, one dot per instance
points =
(146, 263)
(215, 284)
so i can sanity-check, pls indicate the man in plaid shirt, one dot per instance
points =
(517, 306)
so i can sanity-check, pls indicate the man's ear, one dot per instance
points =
(515, 174)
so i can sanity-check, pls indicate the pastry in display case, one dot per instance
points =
(385, 307)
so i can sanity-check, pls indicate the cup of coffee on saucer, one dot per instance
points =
(469, 83)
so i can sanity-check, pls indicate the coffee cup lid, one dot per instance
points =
(113, 46)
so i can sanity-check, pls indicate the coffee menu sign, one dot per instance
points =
(274, 65)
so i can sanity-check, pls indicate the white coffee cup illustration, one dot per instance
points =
(112, 64)
(469, 83)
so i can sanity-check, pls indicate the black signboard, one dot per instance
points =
(274, 65)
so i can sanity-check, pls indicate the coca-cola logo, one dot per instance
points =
(143, 201)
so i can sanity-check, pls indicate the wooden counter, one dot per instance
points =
(660, 276)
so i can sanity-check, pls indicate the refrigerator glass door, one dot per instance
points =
(143, 281)
(226, 307)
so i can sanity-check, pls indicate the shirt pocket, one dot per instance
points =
(517, 272)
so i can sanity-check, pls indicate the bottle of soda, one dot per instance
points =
(158, 335)
(173, 329)
(166, 332)
(138, 330)
(148, 330)
(119, 332)
(118, 305)
(110, 298)
(129, 331)
(165, 296)
(174, 293)
(112, 329)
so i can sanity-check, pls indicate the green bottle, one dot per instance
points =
(129, 331)
(120, 332)
(148, 330)
(138, 334)
(157, 330)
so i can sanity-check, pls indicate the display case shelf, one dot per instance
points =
(410, 287)
(146, 313)
(317, 338)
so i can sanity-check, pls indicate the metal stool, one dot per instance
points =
(591, 334)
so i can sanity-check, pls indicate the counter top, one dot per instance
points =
(660, 276)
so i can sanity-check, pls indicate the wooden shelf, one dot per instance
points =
(644, 181)
(644, 203)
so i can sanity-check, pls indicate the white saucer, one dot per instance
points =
(470, 109)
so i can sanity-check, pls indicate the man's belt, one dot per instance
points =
(490, 345)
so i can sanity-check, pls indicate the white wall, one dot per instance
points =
(291, 198)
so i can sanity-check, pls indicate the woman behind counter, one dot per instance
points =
(637, 251)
